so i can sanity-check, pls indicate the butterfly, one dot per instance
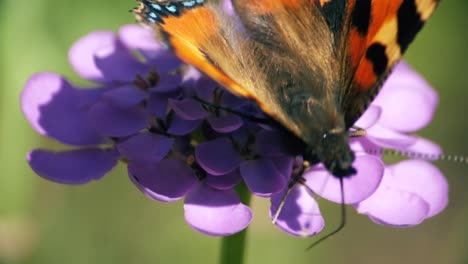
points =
(314, 66)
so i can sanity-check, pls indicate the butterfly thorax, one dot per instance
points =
(313, 115)
(321, 126)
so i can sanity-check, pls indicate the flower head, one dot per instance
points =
(146, 110)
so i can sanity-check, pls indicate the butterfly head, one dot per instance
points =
(324, 133)
(335, 153)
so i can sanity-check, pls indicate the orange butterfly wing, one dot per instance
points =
(370, 37)
(186, 34)
(377, 44)
(193, 31)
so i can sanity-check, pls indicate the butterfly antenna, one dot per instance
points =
(342, 223)
(360, 132)
(419, 155)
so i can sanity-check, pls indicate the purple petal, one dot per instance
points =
(218, 156)
(365, 145)
(227, 7)
(74, 166)
(393, 207)
(81, 54)
(300, 215)
(101, 57)
(407, 100)
(54, 109)
(224, 182)
(241, 136)
(117, 63)
(262, 177)
(125, 96)
(168, 83)
(216, 213)
(188, 109)
(191, 76)
(89, 96)
(424, 149)
(164, 181)
(188, 91)
(118, 122)
(225, 124)
(180, 127)
(269, 144)
(370, 117)
(424, 179)
(158, 104)
(231, 101)
(204, 88)
(144, 40)
(163, 62)
(140, 38)
(146, 147)
(389, 138)
(263, 116)
(284, 165)
(358, 187)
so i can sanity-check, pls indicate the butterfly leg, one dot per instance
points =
(297, 178)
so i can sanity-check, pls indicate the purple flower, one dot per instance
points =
(129, 116)
(146, 111)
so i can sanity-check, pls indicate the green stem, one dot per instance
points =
(233, 247)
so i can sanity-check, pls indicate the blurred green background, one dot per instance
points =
(110, 221)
